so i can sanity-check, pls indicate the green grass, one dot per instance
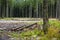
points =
(6, 18)
(29, 33)
(55, 23)
(53, 32)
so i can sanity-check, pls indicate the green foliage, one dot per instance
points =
(30, 33)
(40, 23)
(53, 32)
(14, 35)
(26, 2)
(6, 18)
(44, 38)
(55, 23)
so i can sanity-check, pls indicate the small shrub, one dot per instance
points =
(53, 32)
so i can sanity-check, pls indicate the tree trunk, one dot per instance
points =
(58, 9)
(7, 9)
(37, 8)
(45, 16)
(3, 11)
(30, 10)
(11, 10)
(56, 3)
(0, 10)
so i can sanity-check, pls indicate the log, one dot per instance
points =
(25, 26)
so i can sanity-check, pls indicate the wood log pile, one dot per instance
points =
(17, 26)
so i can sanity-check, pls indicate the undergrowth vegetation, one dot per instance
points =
(52, 34)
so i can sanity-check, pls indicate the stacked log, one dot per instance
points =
(17, 26)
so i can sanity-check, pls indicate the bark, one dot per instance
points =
(3, 4)
(30, 10)
(56, 2)
(26, 11)
(3, 11)
(39, 12)
(7, 9)
(22, 12)
(0, 10)
(37, 8)
(11, 10)
(58, 9)
(45, 16)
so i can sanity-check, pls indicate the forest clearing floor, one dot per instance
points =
(26, 19)
(23, 19)
(11, 36)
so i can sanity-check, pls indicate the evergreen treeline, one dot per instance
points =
(26, 8)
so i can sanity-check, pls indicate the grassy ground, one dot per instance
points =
(31, 19)
(52, 34)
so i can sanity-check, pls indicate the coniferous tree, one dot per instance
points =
(45, 16)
